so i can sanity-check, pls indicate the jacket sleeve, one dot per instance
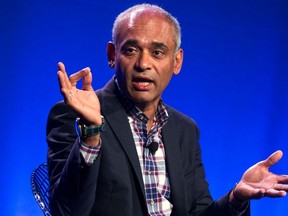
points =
(199, 201)
(72, 183)
(222, 207)
(215, 208)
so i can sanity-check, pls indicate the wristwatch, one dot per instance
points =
(85, 131)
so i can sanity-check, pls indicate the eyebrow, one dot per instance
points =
(130, 43)
(159, 45)
(136, 43)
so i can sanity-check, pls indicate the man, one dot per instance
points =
(131, 154)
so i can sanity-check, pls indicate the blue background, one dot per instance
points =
(233, 83)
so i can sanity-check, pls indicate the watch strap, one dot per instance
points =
(88, 130)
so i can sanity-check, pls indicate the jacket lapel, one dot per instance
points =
(116, 118)
(173, 166)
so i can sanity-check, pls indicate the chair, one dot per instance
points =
(40, 187)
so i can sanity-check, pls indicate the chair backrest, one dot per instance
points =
(40, 187)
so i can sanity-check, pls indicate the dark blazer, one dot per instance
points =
(113, 185)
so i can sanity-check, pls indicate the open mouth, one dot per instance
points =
(142, 83)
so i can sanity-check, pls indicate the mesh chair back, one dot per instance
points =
(40, 187)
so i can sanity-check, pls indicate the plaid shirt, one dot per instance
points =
(155, 178)
(156, 182)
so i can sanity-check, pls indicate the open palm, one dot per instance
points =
(258, 181)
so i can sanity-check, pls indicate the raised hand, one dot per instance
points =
(258, 181)
(84, 101)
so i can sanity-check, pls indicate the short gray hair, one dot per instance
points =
(155, 8)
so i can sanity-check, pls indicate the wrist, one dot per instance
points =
(85, 131)
(93, 141)
(236, 200)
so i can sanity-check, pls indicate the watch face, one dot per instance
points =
(88, 131)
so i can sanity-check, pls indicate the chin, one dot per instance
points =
(143, 101)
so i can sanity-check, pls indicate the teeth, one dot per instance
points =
(144, 83)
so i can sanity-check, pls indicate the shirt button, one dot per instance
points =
(152, 202)
(149, 172)
(141, 117)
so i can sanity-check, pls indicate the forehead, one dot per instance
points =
(146, 26)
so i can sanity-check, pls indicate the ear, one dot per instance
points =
(178, 59)
(111, 54)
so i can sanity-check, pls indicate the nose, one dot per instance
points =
(144, 62)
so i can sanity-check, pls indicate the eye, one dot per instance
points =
(129, 51)
(158, 53)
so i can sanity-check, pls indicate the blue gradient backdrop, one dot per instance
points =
(233, 83)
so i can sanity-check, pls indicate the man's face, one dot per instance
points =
(145, 58)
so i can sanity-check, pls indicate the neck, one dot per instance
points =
(150, 112)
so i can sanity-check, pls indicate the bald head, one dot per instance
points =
(137, 11)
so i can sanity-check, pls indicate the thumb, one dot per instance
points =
(87, 81)
(272, 159)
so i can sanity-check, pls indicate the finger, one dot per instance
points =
(275, 193)
(61, 67)
(87, 82)
(282, 179)
(64, 87)
(63, 80)
(62, 70)
(272, 159)
(74, 78)
(257, 193)
(281, 187)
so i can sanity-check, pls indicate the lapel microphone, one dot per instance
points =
(153, 147)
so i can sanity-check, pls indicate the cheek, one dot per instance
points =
(123, 75)
(119, 68)
(166, 78)
(124, 66)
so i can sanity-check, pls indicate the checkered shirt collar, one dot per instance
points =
(161, 112)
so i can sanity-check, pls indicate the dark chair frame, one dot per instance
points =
(40, 187)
